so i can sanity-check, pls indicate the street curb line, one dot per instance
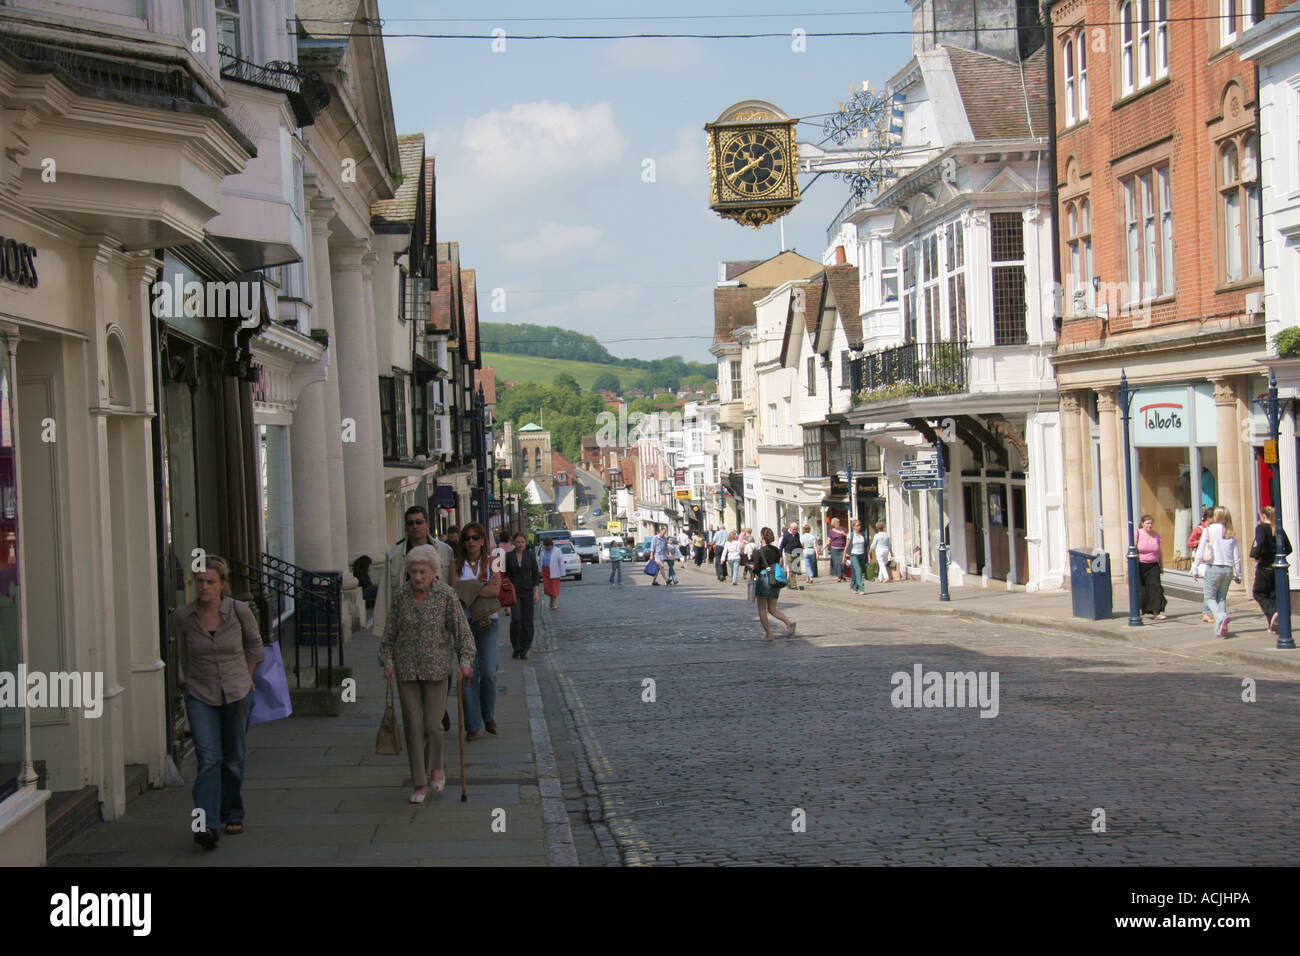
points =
(560, 849)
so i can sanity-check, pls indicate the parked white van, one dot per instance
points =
(584, 542)
(607, 543)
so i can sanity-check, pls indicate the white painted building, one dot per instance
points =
(1274, 46)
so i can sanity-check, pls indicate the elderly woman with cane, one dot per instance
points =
(425, 625)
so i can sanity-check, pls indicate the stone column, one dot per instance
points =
(358, 393)
(1077, 473)
(313, 429)
(368, 263)
(1229, 399)
(1113, 516)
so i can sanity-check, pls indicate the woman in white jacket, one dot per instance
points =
(1220, 552)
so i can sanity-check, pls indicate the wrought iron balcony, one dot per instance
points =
(915, 369)
(308, 95)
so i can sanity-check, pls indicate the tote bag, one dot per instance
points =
(388, 740)
(652, 567)
(270, 688)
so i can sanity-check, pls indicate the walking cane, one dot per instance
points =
(460, 727)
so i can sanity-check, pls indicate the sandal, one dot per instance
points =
(419, 795)
(438, 784)
(232, 829)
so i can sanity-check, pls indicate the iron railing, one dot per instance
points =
(307, 92)
(302, 606)
(919, 368)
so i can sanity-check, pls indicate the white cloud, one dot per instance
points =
(688, 162)
(553, 242)
(528, 147)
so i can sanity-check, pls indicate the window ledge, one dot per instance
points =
(1250, 282)
(1076, 125)
(1140, 92)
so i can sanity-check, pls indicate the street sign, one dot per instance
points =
(922, 484)
(918, 475)
(682, 494)
(1270, 452)
(613, 527)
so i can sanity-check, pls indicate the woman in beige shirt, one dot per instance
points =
(219, 649)
(425, 624)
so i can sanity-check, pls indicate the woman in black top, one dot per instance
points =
(521, 569)
(1264, 551)
(766, 591)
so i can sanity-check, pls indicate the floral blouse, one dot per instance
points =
(418, 638)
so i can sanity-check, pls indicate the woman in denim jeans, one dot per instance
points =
(732, 556)
(219, 650)
(857, 542)
(1220, 552)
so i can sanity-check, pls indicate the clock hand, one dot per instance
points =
(744, 169)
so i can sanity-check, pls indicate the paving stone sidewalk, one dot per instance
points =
(315, 793)
(1184, 632)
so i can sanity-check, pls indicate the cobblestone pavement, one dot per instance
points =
(742, 735)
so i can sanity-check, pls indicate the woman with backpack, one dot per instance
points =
(768, 580)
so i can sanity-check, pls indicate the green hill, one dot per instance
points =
(530, 368)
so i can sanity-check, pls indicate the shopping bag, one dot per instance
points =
(749, 592)
(388, 741)
(270, 687)
(652, 567)
(778, 572)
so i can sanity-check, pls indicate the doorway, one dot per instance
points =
(973, 511)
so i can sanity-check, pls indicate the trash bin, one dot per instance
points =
(1090, 584)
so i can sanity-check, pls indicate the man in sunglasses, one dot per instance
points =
(394, 574)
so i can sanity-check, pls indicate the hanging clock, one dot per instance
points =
(752, 163)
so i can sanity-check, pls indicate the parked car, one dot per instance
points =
(584, 542)
(572, 563)
(596, 510)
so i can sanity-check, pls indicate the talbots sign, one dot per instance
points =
(1161, 416)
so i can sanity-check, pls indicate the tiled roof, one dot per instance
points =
(559, 463)
(402, 207)
(469, 296)
(531, 427)
(440, 300)
(843, 281)
(733, 307)
(733, 269)
(991, 93)
(430, 197)
(486, 378)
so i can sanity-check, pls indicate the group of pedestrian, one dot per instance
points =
(665, 552)
(1216, 562)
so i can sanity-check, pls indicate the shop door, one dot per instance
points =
(973, 509)
(181, 527)
(999, 543)
(1018, 533)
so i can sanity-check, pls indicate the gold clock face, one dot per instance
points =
(754, 163)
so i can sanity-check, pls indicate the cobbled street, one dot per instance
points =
(741, 735)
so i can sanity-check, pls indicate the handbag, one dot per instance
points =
(388, 741)
(651, 567)
(782, 579)
(478, 610)
(270, 698)
(749, 592)
(507, 596)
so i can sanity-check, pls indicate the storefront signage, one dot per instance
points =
(869, 487)
(1161, 416)
(18, 262)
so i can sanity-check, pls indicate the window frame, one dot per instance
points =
(1245, 192)
(1019, 333)
(1147, 203)
(1144, 44)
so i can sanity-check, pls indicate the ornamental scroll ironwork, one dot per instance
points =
(871, 122)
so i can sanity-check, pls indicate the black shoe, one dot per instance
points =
(446, 722)
(654, 584)
(514, 655)
(207, 839)
(523, 655)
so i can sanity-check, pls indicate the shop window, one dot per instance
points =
(1239, 209)
(1149, 234)
(1144, 43)
(1008, 253)
(12, 753)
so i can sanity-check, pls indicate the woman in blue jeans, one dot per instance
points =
(474, 561)
(219, 649)
(1220, 552)
(857, 550)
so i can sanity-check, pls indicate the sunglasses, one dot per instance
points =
(473, 537)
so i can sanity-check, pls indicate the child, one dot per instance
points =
(617, 555)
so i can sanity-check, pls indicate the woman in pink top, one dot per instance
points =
(1148, 548)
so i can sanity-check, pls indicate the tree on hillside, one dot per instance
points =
(565, 380)
(607, 381)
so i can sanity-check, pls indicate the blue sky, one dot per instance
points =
(541, 150)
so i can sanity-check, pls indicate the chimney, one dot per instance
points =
(840, 256)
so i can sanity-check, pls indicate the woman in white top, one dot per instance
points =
(858, 557)
(883, 550)
(475, 561)
(1220, 552)
(731, 554)
(747, 552)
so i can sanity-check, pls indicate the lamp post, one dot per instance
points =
(943, 530)
(1126, 395)
(1281, 570)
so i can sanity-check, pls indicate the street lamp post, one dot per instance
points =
(943, 530)
(1126, 395)
(1281, 570)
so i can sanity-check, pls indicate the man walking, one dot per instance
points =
(617, 554)
(791, 551)
(394, 574)
(659, 554)
(719, 542)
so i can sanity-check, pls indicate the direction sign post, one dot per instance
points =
(926, 475)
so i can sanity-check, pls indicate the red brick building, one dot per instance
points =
(1159, 258)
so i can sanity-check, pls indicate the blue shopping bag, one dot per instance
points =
(270, 688)
(652, 567)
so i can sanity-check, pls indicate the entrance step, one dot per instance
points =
(67, 813)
